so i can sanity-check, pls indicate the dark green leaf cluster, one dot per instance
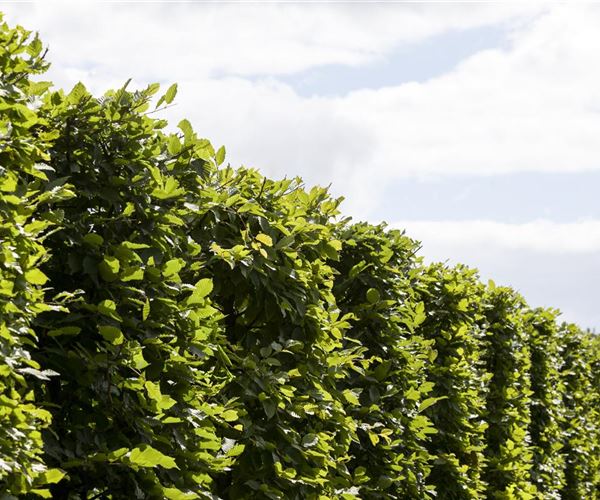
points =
(171, 327)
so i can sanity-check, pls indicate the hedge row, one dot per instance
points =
(171, 327)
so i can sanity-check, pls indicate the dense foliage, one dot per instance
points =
(171, 327)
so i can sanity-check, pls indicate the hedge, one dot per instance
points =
(24, 190)
(173, 327)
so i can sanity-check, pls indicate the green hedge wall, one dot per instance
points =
(24, 189)
(386, 388)
(172, 327)
(547, 411)
(453, 306)
(580, 428)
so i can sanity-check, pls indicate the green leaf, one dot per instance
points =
(336, 245)
(373, 296)
(132, 274)
(109, 268)
(52, 476)
(146, 456)
(65, 330)
(173, 146)
(93, 239)
(269, 407)
(265, 239)
(171, 93)
(420, 315)
(163, 401)
(40, 492)
(177, 494)
(77, 93)
(186, 127)
(35, 277)
(412, 394)
(382, 370)
(331, 251)
(138, 361)
(426, 403)
(203, 287)
(111, 334)
(146, 310)
(220, 155)
(172, 267)
(7, 287)
(8, 184)
(109, 308)
(129, 209)
(463, 305)
(229, 415)
(236, 450)
(351, 397)
(134, 246)
(373, 437)
(310, 440)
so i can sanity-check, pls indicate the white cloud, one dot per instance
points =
(177, 41)
(534, 106)
(551, 264)
(541, 236)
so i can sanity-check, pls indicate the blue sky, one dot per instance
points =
(473, 126)
(415, 61)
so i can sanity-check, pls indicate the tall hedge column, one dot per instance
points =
(24, 221)
(580, 430)
(452, 298)
(506, 356)
(140, 353)
(547, 409)
(387, 391)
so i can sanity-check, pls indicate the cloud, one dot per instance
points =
(176, 41)
(531, 106)
(540, 236)
(551, 264)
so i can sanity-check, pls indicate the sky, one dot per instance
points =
(473, 126)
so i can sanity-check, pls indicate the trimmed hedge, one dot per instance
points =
(24, 189)
(547, 411)
(171, 327)
(453, 300)
(386, 387)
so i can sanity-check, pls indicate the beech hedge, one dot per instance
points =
(172, 327)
